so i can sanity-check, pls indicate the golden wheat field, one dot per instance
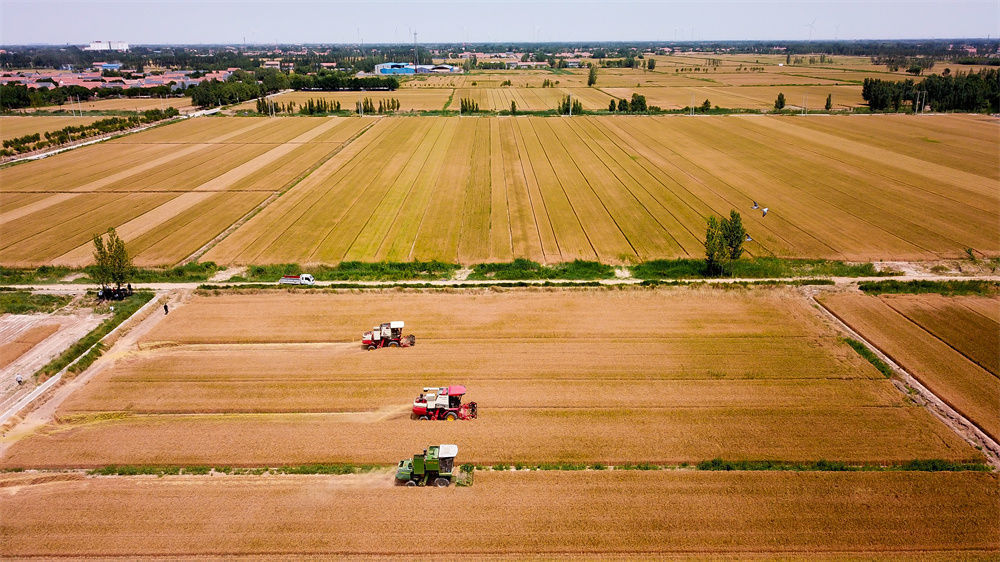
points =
(468, 190)
(19, 126)
(276, 379)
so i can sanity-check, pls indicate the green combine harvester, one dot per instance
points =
(434, 467)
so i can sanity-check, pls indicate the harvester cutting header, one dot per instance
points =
(388, 334)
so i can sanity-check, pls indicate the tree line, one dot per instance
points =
(28, 143)
(973, 91)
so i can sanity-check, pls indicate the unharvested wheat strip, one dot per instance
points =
(967, 387)
(373, 234)
(10, 200)
(185, 233)
(152, 219)
(399, 242)
(569, 232)
(65, 171)
(929, 221)
(72, 227)
(940, 221)
(985, 306)
(250, 241)
(644, 234)
(524, 218)
(959, 185)
(94, 185)
(705, 188)
(474, 236)
(343, 229)
(806, 208)
(437, 238)
(192, 171)
(675, 231)
(969, 333)
(501, 246)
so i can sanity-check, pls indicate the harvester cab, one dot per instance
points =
(435, 466)
(443, 403)
(387, 334)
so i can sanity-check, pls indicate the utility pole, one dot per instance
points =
(416, 57)
(803, 104)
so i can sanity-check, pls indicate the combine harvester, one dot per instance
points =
(434, 466)
(388, 334)
(443, 403)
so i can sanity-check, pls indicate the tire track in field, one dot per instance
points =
(524, 159)
(109, 179)
(762, 141)
(734, 190)
(816, 138)
(627, 138)
(390, 167)
(584, 136)
(411, 165)
(277, 231)
(601, 131)
(569, 201)
(818, 196)
(573, 159)
(153, 218)
(929, 332)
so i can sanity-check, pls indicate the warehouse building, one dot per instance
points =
(410, 68)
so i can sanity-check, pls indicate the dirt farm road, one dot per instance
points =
(908, 275)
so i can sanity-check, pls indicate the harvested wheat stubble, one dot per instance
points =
(950, 319)
(564, 375)
(967, 387)
(11, 349)
(522, 514)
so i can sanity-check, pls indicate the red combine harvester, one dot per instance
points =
(389, 334)
(443, 404)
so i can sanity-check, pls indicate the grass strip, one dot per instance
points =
(26, 302)
(946, 288)
(354, 271)
(863, 351)
(49, 274)
(916, 465)
(755, 268)
(523, 269)
(123, 310)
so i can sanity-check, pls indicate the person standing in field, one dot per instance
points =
(165, 309)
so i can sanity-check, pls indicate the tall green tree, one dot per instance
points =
(611, 105)
(779, 103)
(829, 102)
(113, 264)
(733, 234)
(652, 64)
(706, 106)
(716, 255)
(592, 76)
(513, 107)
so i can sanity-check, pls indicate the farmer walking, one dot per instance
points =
(165, 309)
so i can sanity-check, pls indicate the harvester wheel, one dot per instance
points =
(371, 348)
(411, 483)
(394, 344)
(424, 418)
(450, 416)
(442, 482)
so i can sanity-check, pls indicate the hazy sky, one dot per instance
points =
(224, 21)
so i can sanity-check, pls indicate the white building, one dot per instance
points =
(107, 46)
